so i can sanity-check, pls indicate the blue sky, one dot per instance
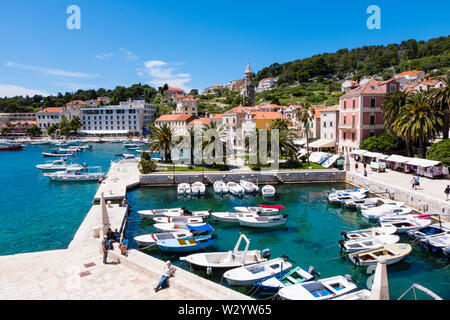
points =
(188, 44)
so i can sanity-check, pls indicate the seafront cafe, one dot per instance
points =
(419, 166)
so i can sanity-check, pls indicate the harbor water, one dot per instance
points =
(310, 237)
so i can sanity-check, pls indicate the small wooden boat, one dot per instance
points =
(437, 243)
(179, 219)
(379, 203)
(356, 295)
(188, 244)
(248, 275)
(77, 174)
(184, 189)
(220, 187)
(296, 275)
(263, 222)
(152, 238)
(384, 210)
(404, 223)
(367, 243)
(361, 190)
(355, 203)
(231, 217)
(198, 188)
(235, 189)
(228, 259)
(268, 191)
(392, 252)
(262, 210)
(249, 187)
(337, 198)
(368, 233)
(181, 226)
(322, 289)
(56, 153)
(11, 147)
(172, 213)
(430, 230)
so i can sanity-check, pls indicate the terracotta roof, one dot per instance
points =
(51, 110)
(202, 121)
(371, 86)
(411, 72)
(241, 109)
(175, 117)
(266, 115)
(216, 116)
(332, 108)
(175, 89)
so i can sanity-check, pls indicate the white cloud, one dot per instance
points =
(7, 90)
(71, 86)
(104, 56)
(129, 55)
(49, 71)
(161, 73)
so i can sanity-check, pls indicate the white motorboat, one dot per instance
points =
(127, 158)
(268, 191)
(384, 210)
(40, 142)
(154, 213)
(262, 222)
(368, 233)
(184, 219)
(431, 230)
(56, 153)
(152, 238)
(439, 243)
(177, 226)
(182, 212)
(262, 211)
(249, 187)
(322, 289)
(404, 223)
(355, 203)
(337, 198)
(379, 203)
(57, 165)
(294, 276)
(184, 189)
(76, 174)
(393, 253)
(228, 259)
(355, 245)
(198, 188)
(248, 275)
(235, 189)
(361, 190)
(220, 187)
(232, 217)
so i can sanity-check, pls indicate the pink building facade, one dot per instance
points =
(360, 114)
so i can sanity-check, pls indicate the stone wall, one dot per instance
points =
(304, 176)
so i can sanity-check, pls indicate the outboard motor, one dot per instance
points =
(356, 257)
(344, 234)
(350, 278)
(266, 254)
(341, 244)
(312, 270)
(185, 211)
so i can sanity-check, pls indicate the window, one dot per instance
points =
(353, 136)
(353, 119)
(345, 119)
(345, 104)
(353, 103)
(371, 134)
(345, 135)
(372, 119)
(372, 102)
(324, 124)
(331, 124)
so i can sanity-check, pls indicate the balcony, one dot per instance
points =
(348, 126)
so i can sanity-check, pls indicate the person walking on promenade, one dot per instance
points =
(365, 173)
(124, 246)
(356, 166)
(105, 247)
(413, 183)
(447, 192)
(417, 182)
(169, 271)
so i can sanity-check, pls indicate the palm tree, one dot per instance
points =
(418, 120)
(280, 124)
(286, 143)
(190, 134)
(305, 115)
(161, 140)
(391, 107)
(440, 97)
(210, 133)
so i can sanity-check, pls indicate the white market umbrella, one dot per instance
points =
(104, 217)
(380, 286)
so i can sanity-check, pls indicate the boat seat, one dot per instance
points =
(291, 279)
(182, 242)
(192, 241)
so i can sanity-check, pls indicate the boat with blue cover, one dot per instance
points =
(296, 275)
(204, 239)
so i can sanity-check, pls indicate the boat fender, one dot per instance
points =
(258, 212)
(312, 270)
(344, 234)
(266, 254)
(341, 244)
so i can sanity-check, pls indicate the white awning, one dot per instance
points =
(299, 142)
(359, 151)
(375, 155)
(423, 162)
(398, 159)
(322, 143)
(319, 157)
(94, 132)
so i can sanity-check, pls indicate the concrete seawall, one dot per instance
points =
(278, 177)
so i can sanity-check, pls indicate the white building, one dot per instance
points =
(50, 116)
(266, 84)
(21, 116)
(127, 118)
(187, 105)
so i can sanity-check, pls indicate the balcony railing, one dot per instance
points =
(347, 126)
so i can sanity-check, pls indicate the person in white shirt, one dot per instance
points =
(169, 271)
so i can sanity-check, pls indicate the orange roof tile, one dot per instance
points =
(216, 116)
(202, 121)
(51, 110)
(175, 117)
(268, 115)
(411, 72)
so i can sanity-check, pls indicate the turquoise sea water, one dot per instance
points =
(37, 214)
(310, 237)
